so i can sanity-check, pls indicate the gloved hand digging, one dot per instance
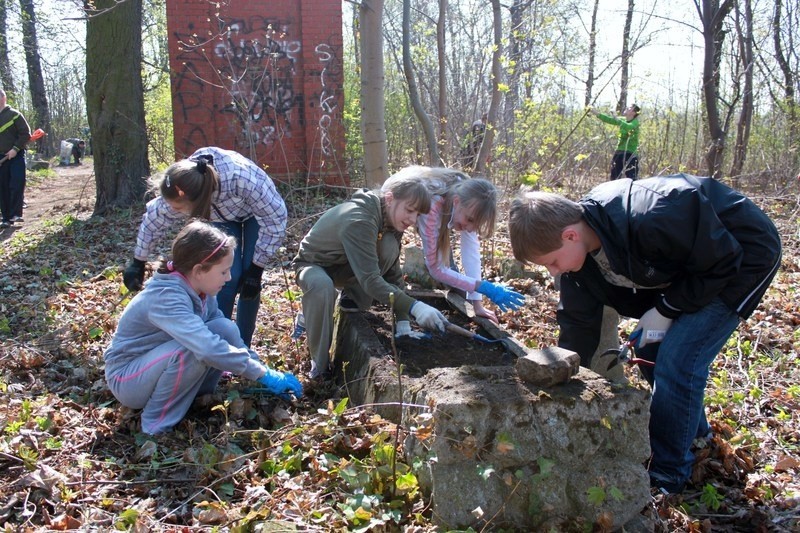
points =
(133, 275)
(251, 283)
(428, 317)
(652, 327)
(282, 384)
(503, 297)
(403, 329)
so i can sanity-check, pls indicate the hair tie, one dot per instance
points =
(202, 162)
(170, 266)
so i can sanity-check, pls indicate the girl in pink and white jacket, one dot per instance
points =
(468, 206)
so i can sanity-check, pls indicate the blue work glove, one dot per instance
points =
(503, 297)
(282, 384)
(251, 284)
(133, 276)
(652, 327)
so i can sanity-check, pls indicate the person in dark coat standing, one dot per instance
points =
(14, 135)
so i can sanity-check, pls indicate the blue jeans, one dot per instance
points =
(677, 414)
(246, 234)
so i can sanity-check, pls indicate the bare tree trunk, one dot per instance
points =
(712, 13)
(511, 103)
(373, 125)
(442, 59)
(413, 93)
(5, 67)
(588, 97)
(356, 31)
(115, 103)
(790, 102)
(625, 60)
(35, 78)
(743, 127)
(494, 105)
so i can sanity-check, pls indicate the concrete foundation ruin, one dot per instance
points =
(531, 446)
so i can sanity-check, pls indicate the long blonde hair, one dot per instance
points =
(473, 193)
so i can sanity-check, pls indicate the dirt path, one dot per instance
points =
(70, 191)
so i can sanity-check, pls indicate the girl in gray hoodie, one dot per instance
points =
(172, 342)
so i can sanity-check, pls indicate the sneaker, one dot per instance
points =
(299, 326)
(6, 224)
(347, 304)
(666, 487)
(17, 219)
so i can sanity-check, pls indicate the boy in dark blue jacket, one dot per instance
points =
(686, 255)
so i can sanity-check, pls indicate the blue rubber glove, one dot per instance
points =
(503, 297)
(251, 284)
(282, 384)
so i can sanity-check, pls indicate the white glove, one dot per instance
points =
(652, 327)
(428, 317)
(403, 329)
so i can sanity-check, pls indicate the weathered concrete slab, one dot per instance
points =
(528, 457)
(552, 454)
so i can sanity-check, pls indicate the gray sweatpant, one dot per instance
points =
(164, 382)
(319, 298)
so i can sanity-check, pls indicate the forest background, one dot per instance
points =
(717, 83)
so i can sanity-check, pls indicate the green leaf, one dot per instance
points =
(227, 489)
(711, 497)
(596, 495)
(407, 482)
(341, 406)
(127, 519)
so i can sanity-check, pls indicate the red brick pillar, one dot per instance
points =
(261, 78)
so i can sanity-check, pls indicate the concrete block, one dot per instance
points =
(548, 366)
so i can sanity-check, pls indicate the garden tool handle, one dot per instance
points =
(452, 328)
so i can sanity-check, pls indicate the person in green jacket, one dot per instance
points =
(355, 246)
(626, 157)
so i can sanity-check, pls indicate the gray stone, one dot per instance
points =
(414, 268)
(549, 366)
(493, 450)
(537, 456)
(38, 165)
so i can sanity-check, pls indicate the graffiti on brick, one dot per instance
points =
(245, 81)
(254, 63)
(330, 81)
